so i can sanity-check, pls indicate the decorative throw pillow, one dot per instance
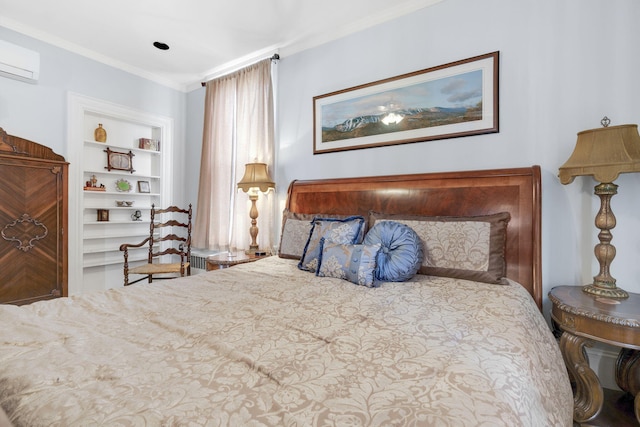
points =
(295, 232)
(471, 248)
(355, 263)
(400, 252)
(345, 231)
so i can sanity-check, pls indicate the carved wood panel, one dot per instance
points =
(32, 220)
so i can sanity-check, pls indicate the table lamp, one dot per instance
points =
(256, 178)
(604, 153)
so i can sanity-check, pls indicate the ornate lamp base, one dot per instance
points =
(605, 292)
(255, 251)
(604, 284)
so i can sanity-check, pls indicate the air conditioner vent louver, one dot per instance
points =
(19, 63)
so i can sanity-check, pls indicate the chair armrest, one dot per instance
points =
(125, 246)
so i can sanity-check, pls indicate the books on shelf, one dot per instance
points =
(149, 144)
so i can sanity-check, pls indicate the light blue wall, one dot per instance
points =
(195, 123)
(563, 66)
(38, 112)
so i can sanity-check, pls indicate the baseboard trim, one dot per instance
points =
(602, 359)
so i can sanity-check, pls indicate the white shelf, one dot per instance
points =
(115, 247)
(120, 147)
(110, 259)
(120, 193)
(137, 236)
(121, 208)
(95, 261)
(95, 254)
(120, 173)
(145, 249)
(117, 222)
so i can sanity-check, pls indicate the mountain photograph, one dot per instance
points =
(445, 101)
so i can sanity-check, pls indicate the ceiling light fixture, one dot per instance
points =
(161, 46)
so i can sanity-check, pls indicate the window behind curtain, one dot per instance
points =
(238, 129)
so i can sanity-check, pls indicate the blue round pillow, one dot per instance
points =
(400, 254)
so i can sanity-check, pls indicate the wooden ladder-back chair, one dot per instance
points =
(178, 236)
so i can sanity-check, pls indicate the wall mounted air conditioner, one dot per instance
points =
(19, 63)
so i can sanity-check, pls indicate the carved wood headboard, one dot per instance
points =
(467, 193)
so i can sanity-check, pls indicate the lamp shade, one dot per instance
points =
(256, 175)
(604, 153)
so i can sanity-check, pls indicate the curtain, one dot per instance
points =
(238, 129)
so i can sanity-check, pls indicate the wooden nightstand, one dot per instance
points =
(224, 260)
(584, 318)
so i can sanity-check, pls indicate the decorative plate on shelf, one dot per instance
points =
(123, 185)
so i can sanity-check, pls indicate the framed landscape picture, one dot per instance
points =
(447, 101)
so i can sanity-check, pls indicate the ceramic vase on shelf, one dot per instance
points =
(100, 134)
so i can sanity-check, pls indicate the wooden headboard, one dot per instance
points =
(467, 193)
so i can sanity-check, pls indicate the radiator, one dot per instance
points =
(199, 260)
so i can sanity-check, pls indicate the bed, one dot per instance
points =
(269, 343)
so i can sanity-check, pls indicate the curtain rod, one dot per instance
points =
(275, 57)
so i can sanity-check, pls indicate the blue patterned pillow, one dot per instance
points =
(464, 247)
(345, 231)
(355, 263)
(295, 232)
(401, 253)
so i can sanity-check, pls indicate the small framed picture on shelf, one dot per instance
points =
(144, 187)
(119, 161)
(149, 144)
(103, 214)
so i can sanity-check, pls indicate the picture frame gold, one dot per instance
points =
(117, 160)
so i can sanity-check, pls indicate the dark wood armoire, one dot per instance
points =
(33, 221)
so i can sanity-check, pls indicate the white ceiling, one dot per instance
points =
(207, 38)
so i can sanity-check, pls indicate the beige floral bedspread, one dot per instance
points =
(265, 344)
